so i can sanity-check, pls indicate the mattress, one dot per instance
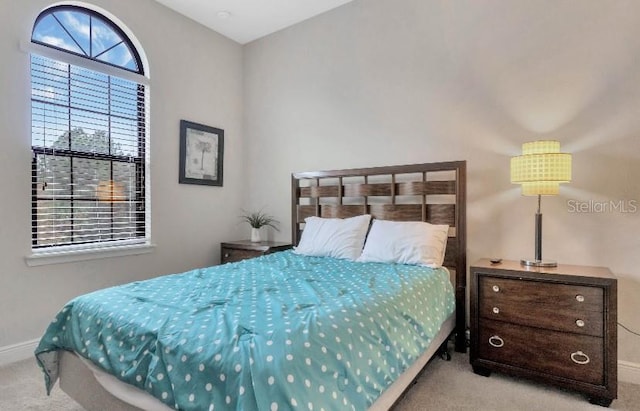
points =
(263, 334)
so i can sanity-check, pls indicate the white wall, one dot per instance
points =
(385, 82)
(196, 75)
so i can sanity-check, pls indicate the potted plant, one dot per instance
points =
(257, 220)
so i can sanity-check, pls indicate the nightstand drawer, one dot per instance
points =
(524, 293)
(230, 255)
(577, 357)
(543, 316)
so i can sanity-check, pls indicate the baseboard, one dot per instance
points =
(629, 372)
(17, 352)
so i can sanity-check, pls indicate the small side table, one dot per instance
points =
(552, 324)
(233, 251)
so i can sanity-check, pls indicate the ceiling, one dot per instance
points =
(247, 20)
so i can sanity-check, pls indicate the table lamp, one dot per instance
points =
(540, 170)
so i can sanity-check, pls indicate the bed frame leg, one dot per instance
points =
(443, 351)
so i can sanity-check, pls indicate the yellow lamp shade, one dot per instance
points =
(541, 168)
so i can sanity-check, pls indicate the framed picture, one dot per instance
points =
(201, 154)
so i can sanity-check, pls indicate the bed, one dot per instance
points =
(318, 332)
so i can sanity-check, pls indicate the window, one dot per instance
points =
(88, 134)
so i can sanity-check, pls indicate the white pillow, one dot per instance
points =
(333, 237)
(405, 242)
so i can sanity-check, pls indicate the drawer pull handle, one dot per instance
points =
(498, 342)
(496, 310)
(580, 358)
(496, 288)
(227, 255)
(580, 298)
(580, 323)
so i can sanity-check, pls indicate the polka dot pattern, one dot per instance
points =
(283, 330)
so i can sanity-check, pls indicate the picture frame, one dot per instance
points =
(201, 154)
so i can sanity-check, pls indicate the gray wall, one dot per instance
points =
(384, 82)
(196, 74)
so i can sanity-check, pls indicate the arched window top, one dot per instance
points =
(86, 33)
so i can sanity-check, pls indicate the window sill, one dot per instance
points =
(39, 258)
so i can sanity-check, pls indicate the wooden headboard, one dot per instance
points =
(432, 192)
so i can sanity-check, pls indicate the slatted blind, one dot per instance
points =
(88, 171)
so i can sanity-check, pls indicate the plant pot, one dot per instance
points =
(255, 235)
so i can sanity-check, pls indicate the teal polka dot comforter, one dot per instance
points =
(279, 332)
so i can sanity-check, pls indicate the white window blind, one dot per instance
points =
(89, 133)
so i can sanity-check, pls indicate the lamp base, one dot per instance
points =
(539, 263)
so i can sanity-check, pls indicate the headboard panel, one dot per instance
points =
(432, 192)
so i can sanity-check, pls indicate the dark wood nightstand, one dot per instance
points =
(554, 325)
(233, 251)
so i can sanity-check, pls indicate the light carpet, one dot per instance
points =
(443, 386)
